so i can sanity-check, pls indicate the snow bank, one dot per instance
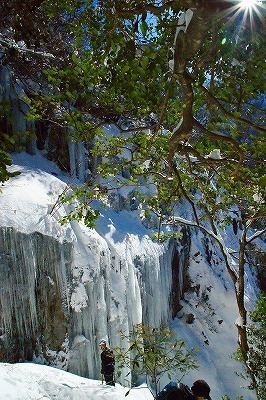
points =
(34, 382)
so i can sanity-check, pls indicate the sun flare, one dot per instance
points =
(249, 4)
(248, 13)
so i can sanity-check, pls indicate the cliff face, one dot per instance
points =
(62, 290)
(33, 295)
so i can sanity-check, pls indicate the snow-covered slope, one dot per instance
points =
(213, 331)
(113, 277)
(33, 382)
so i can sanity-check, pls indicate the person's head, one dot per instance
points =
(103, 344)
(201, 388)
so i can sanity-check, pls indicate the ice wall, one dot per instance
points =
(78, 161)
(13, 95)
(52, 290)
(34, 304)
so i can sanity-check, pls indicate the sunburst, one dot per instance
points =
(249, 4)
(250, 12)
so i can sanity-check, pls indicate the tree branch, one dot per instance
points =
(217, 238)
(228, 113)
(224, 138)
(12, 44)
(174, 168)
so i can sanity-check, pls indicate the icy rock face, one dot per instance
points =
(115, 287)
(69, 155)
(180, 263)
(58, 299)
(12, 93)
(34, 293)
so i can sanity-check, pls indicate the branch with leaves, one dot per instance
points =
(153, 353)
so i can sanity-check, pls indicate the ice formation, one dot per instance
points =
(73, 282)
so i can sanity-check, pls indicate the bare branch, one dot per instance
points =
(180, 183)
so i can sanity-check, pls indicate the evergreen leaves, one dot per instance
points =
(154, 352)
(257, 343)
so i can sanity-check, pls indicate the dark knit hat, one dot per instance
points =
(202, 389)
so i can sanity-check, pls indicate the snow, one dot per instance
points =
(33, 199)
(34, 382)
(120, 241)
(213, 332)
(215, 154)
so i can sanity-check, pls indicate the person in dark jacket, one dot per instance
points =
(200, 390)
(108, 363)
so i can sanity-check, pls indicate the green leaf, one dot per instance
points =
(262, 181)
(144, 62)
(144, 28)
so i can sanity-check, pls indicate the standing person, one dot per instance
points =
(108, 363)
(200, 390)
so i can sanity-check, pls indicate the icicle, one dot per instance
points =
(87, 289)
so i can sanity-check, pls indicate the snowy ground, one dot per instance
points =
(38, 382)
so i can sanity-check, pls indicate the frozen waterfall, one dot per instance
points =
(62, 291)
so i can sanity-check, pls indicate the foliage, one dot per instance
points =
(135, 60)
(153, 353)
(7, 145)
(189, 77)
(257, 344)
(5, 160)
(78, 200)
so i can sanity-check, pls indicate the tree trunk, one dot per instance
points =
(242, 327)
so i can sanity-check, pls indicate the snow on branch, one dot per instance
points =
(256, 235)
(227, 252)
(183, 22)
(182, 25)
(21, 47)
